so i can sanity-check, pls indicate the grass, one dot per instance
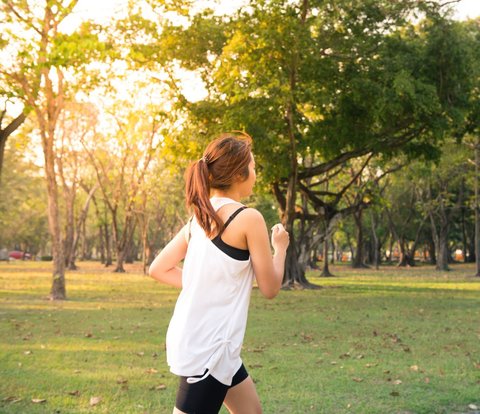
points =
(388, 341)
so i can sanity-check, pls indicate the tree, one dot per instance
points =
(76, 121)
(327, 83)
(23, 203)
(440, 195)
(121, 162)
(44, 60)
(6, 131)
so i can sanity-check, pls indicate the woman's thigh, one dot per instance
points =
(243, 398)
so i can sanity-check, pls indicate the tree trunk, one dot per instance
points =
(101, 247)
(108, 245)
(471, 245)
(70, 231)
(403, 259)
(3, 142)
(80, 229)
(334, 251)
(358, 260)
(477, 206)
(440, 240)
(325, 270)
(58, 290)
(431, 252)
(6, 132)
(376, 247)
(120, 260)
(442, 251)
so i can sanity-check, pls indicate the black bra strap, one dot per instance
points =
(235, 213)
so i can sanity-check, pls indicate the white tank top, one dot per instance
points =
(208, 324)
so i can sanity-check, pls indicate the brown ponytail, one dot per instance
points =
(223, 160)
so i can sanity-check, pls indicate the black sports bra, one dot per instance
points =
(234, 252)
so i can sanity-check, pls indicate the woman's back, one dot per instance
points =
(208, 325)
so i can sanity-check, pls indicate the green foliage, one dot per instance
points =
(23, 203)
(80, 47)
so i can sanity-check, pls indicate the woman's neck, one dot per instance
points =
(234, 195)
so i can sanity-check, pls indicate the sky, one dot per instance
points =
(103, 10)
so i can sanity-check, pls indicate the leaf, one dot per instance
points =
(12, 399)
(151, 371)
(39, 400)
(397, 382)
(95, 401)
(395, 394)
(358, 379)
(75, 393)
(160, 387)
(473, 407)
(414, 368)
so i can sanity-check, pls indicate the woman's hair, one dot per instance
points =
(224, 159)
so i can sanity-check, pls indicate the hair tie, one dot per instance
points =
(204, 159)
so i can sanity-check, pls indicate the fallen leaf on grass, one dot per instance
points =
(28, 353)
(307, 337)
(414, 368)
(39, 400)
(370, 365)
(75, 393)
(12, 399)
(160, 387)
(122, 381)
(151, 371)
(395, 394)
(397, 382)
(357, 379)
(473, 407)
(95, 401)
(427, 380)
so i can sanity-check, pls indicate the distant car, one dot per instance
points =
(19, 255)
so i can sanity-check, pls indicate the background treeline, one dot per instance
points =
(365, 117)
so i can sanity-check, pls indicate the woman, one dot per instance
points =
(225, 246)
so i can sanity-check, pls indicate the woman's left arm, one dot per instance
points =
(165, 267)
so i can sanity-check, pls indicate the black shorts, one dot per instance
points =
(207, 395)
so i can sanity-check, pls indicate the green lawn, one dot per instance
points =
(392, 341)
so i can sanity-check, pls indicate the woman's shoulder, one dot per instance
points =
(251, 215)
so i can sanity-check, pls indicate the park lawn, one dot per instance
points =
(387, 341)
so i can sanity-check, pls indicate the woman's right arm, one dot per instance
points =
(268, 270)
(165, 267)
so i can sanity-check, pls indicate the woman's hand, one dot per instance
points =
(280, 238)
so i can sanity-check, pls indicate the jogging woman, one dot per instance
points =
(225, 245)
